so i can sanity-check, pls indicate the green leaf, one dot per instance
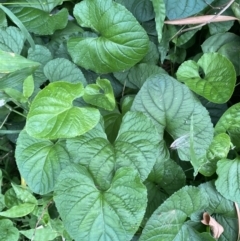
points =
(168, 175)
(19, 69)
(53, 116)
(41, 233)
(18, 211)
(138, 74)
(228, 180)
(222, 210)
(216, 41)
(171, 105)
(37, 18)
(95, 152)
(18, 23)
(100, 94)
(236, 9)
(40, 162)
(218, 204)
(215, 110)
(181, 9)
(15, 95)
(115, 213)
(152, 56)
(184, 37)
(218, 149)
(230, 123)
(217, 81)
(165, 178)
(232, 52)
(136, 146)
(168, 220)
(28, 86)
(230, 120)
(47, 5)
(11, 40)
(112, 122)
(220, 27)
(42, 55)
(8, 231)
(160, 12)
(63, 69)
(126, 103)
(3, 19)
(137, 143)
(19, 195)
(141, 9)
(122, 42)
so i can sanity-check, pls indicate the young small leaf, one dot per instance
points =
(100, 94)
(28, 86)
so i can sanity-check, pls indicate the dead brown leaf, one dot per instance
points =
(200, 19)
(216, 228)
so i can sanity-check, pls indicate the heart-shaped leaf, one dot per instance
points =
(212, 77)
(114, 214)
(137, 146)
(40, 162)
(174, 108)
(122, 42)
(100, 94)
(53, 116)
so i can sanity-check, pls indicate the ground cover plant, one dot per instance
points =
(119, 120)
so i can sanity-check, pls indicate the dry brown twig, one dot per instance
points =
(210, 20)
(40, 218)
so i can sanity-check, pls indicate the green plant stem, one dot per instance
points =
(13, 110)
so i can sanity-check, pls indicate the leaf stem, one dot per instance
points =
(13, 110)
